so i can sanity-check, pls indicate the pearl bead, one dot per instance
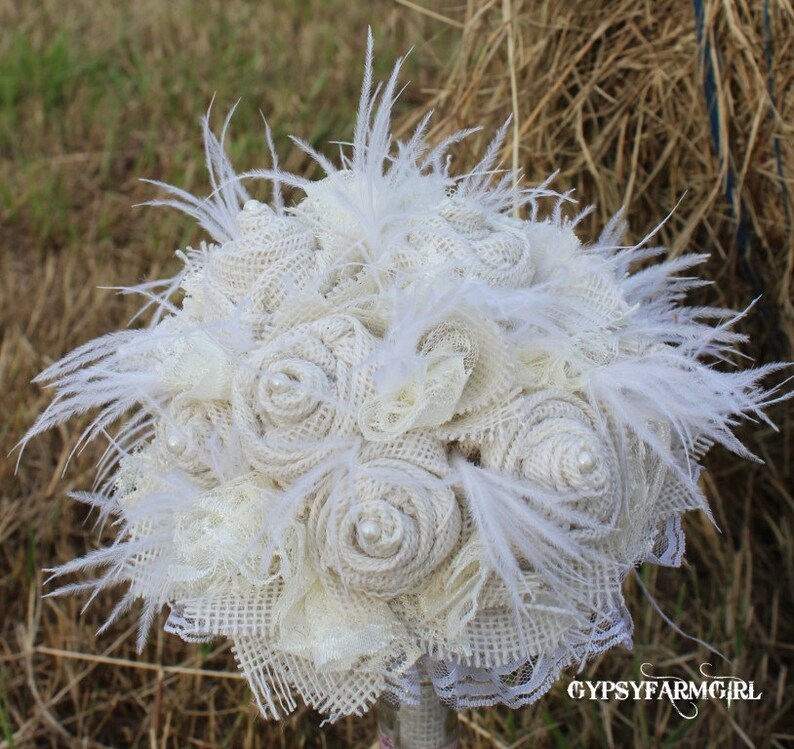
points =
(279, 382)
(175, 443)
(586, 461)
(368, 531)
(253, 206)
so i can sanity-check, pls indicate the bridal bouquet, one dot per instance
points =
(406, 423)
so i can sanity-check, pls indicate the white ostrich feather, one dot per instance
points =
(396, 422)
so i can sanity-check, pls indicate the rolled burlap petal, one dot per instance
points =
(294, 396)
(198, 437)
(466, 365)
(265, 240)
(385, 529)
(556, 442)
(497, 252)
(479, 343)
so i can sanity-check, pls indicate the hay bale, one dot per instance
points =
(640, 105)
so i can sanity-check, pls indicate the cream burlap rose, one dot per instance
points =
(272, 255)
(383, 530)
(494, 249)
(199, 438)
(556, 442)
(294, 396)
(265, 240)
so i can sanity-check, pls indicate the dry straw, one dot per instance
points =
(644, 104)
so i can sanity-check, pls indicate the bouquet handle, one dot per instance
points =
(429, 724)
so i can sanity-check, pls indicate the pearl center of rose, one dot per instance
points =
(175, 443)
(368, 531)
(279, 382)
(586, 461)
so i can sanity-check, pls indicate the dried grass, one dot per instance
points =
(616, 95)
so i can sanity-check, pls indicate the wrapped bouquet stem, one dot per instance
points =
(392, 423)
(429, 724)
